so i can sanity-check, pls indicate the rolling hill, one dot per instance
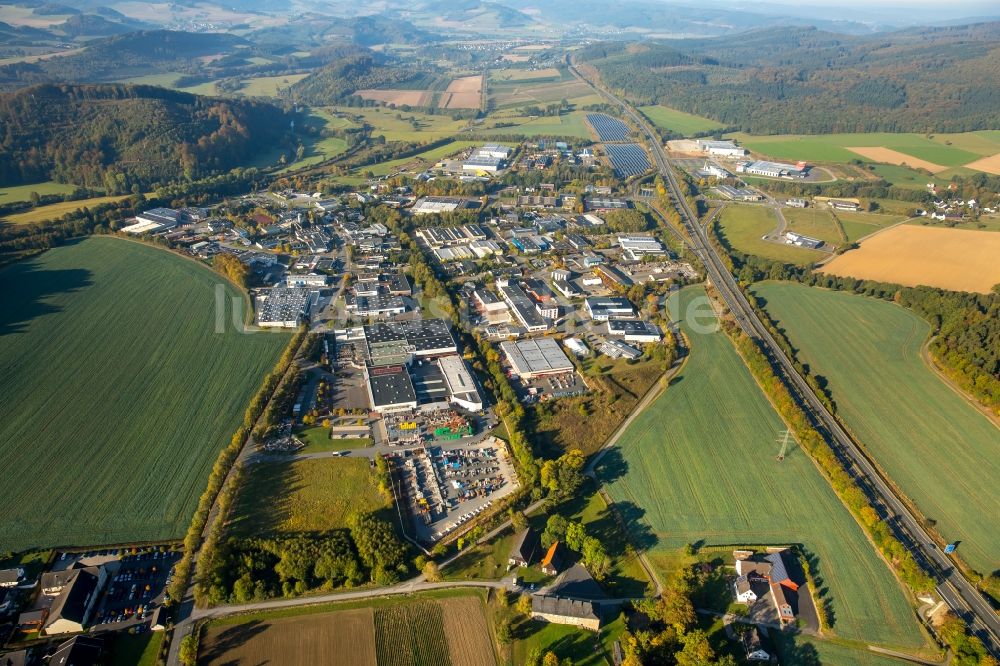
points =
(118, 136)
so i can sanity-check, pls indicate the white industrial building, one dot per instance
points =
(604, 308)
(635, 330)
(792, 238)
(495, 150)
(462, 389)
(154, 221)
(636, 247)
(773, 169)
(536, 357)
(306, 280)
(721, 148)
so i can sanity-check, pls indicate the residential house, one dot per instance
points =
(552, 561)
(523, 549)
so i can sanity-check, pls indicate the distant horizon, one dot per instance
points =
(915, 12)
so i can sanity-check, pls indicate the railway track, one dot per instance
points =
(960, 595)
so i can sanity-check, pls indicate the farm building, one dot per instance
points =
(74, 605)
(721, 148)
(536, 357)
(768, 575)
(844, 205)
(604, 308)
(563, 610)
(797, 203)
(552, 561)
(522, 552)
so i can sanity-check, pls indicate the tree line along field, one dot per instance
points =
(699, 465)
(940, 450)
(444, 629)
(744, 227)
(118, 392)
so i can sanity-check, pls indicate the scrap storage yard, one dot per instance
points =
(700, 464)
(940, 450)
(956, 259)
(448, 629)
(446, 486)
(103, 437)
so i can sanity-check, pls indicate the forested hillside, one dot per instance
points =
(123, 56)
(118, 136)
(802, 80)
(346, 74)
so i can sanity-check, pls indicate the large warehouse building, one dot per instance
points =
(536, 357)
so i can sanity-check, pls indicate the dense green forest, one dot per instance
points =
(802, 80)
(346, 74)
(119, 137)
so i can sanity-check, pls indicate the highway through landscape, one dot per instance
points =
(953, 587)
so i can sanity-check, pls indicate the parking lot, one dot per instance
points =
(443, 487)
(563, 385)
(135, 590)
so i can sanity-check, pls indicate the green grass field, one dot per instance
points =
(268, 86)
(699, 465)
(940, 450)
(569, 124)
(428, 157)
(136, 649)
(814, 223)
(859, 225)
(901, 176)
(118, 392)
(56, 210)
(580, 646)
(304, 495)
(744, 227)
(678, 121)
(207, 88)
(945, 149)
(408, 126)
(800, 649)
(23, 192)
(163, 79)
(317, 440)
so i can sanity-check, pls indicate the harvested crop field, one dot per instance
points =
(939, 449)
(469, 642)
(699, 465)
(989, 164)
(118, 386)
(890, 156)
(346, 636)
(463, 93)
(956, 259)
(438, 629)
(398, 97)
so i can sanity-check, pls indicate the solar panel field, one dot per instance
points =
(628, 159)
(939, 449)
(608, 128)
(700, 465)
(118, 392)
